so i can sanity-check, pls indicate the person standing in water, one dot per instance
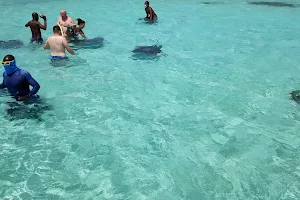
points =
(58, 44)
(65, 21)
(35, 27)
(150, 14)
(17, 81)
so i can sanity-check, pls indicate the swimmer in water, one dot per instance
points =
(58, 44)
(150, 14)
(77, 29)
(66, 22)
(35, 27)
(17, 81)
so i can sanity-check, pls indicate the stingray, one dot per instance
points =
(211, 3)
(11, 44)
(296, 95)
(26, 110)
(153, 50)
(93, 43)
(274, 4)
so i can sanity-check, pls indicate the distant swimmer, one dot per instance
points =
(17, 81)
(66, 22)
(58, 44)
(150, 14)
(77, 29)
(35, 27)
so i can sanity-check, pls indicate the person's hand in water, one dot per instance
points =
(22, 98)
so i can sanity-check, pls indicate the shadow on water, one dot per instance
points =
(29, 109)
(211, 3)
(146, 21)
(94, 43)
(144, 56)
(273, 4)
(11, 44)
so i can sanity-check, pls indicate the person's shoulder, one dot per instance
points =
(62, 38)
(23, 72)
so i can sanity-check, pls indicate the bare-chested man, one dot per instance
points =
(58, 44)
(35, 27)
(65, 21)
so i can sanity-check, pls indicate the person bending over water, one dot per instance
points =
(65, 21)
(58, 44)
(150, 14)
(35, 27)
(77, 29)
(17, 81)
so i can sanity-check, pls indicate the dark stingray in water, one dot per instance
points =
(274, 4)
(295, 95)
(11, 44)
(154, 49)
(26, 110)
(93, 43)
(211, 3)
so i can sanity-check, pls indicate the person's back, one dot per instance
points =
(35, 27)
(57, 44)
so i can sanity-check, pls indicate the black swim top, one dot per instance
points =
(148, 13)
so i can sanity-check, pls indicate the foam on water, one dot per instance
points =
(210, 118)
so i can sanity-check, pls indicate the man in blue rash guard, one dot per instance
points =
(17, 81)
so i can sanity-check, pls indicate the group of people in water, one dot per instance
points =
(18, 81)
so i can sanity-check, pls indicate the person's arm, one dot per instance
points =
(65, 43)
(2, 86)
(44, 27)
(35, 85)
(71, 22)
(151, 14)
(58, 20)
(26, 25)
(46, 46)
(82, 34)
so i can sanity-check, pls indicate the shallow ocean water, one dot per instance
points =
(208, 118)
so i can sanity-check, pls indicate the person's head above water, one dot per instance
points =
(35, 16)
(146, 4)
(8, 58)
(81, 23)
(63, 14)
(56, 30)
(9, 64)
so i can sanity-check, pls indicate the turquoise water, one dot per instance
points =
(210, 118)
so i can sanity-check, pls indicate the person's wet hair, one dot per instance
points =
(56, 29)
(35, 16)
(8, 58)
(80, 21)
(147, 2)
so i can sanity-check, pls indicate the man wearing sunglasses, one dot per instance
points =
(17, 81)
